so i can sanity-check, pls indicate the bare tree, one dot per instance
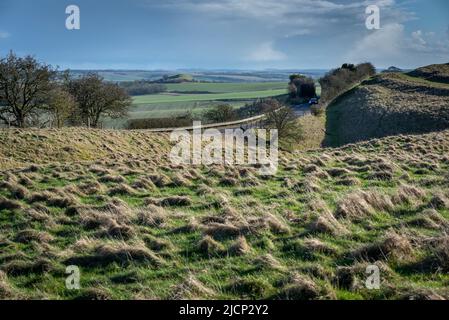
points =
(96, 98)
(24, 85)
(61, 106)
(285, 121)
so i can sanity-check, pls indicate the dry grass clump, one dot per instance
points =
(353, 277)
(23, 267)
(438, 260)
(176, 201)
(209, 246)
(421, 294)
(430, 219)
(173, 201)
(117, 252)
(338, 172)
(16, 190)
(160, 180)
(112, 178)
(219, 230)
(179, 180)
(276, 224)
(99, 170)
(322, 220)
(9, 204)
(203, 189)
(317, 246)
(310, 184)
(61, 202)
(268, 262)
(191, 288)
(439, 201)
(122, 189)
(94, 294)
(229, 182)
(239, 247)
(28, 235)
(157, 243)
(409, 195)
(113, 220)
(392, 246)
(39, 214)
(348, 181)
(152, 216)
(91, 187)
(6, 290)
(361, 204)
(143, 184)
(53, 198)
(302, 287)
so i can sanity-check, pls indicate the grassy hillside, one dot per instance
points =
(388, 104)
(140, 228)
(434, 72)
(19, 148)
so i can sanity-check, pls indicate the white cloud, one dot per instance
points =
(266, 52)
(418, 37)
(385, 42)
(391, 45)
(314, 14)
(4, 35)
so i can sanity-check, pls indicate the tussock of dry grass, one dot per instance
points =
(191, 288)
(393, 245)
(117, 252)
(209, 246)
(9, 204)
(361, 204)
(303, 288)
(239, 247)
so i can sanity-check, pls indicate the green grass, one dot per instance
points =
(169, 98)
(226, 87)
(249, 275)
(172, 104)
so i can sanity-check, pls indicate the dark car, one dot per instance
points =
(313, 101)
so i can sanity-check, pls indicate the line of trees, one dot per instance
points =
(35, 94)
(339, 80)
(301, 88)
(142, 87)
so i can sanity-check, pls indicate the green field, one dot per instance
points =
(197, 98)
(226, 87)
(171, 97)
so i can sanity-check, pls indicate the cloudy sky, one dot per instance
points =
(226, 34)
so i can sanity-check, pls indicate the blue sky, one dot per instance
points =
(226, 34)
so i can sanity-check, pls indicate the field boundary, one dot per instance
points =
(212, 125)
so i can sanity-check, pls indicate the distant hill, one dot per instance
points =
(177, 78)
(390, 104)
(434, 72)
(392, 69)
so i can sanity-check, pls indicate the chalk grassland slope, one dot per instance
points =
(388, 104)
(434, 72)
(19, 148)
(140, 228)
